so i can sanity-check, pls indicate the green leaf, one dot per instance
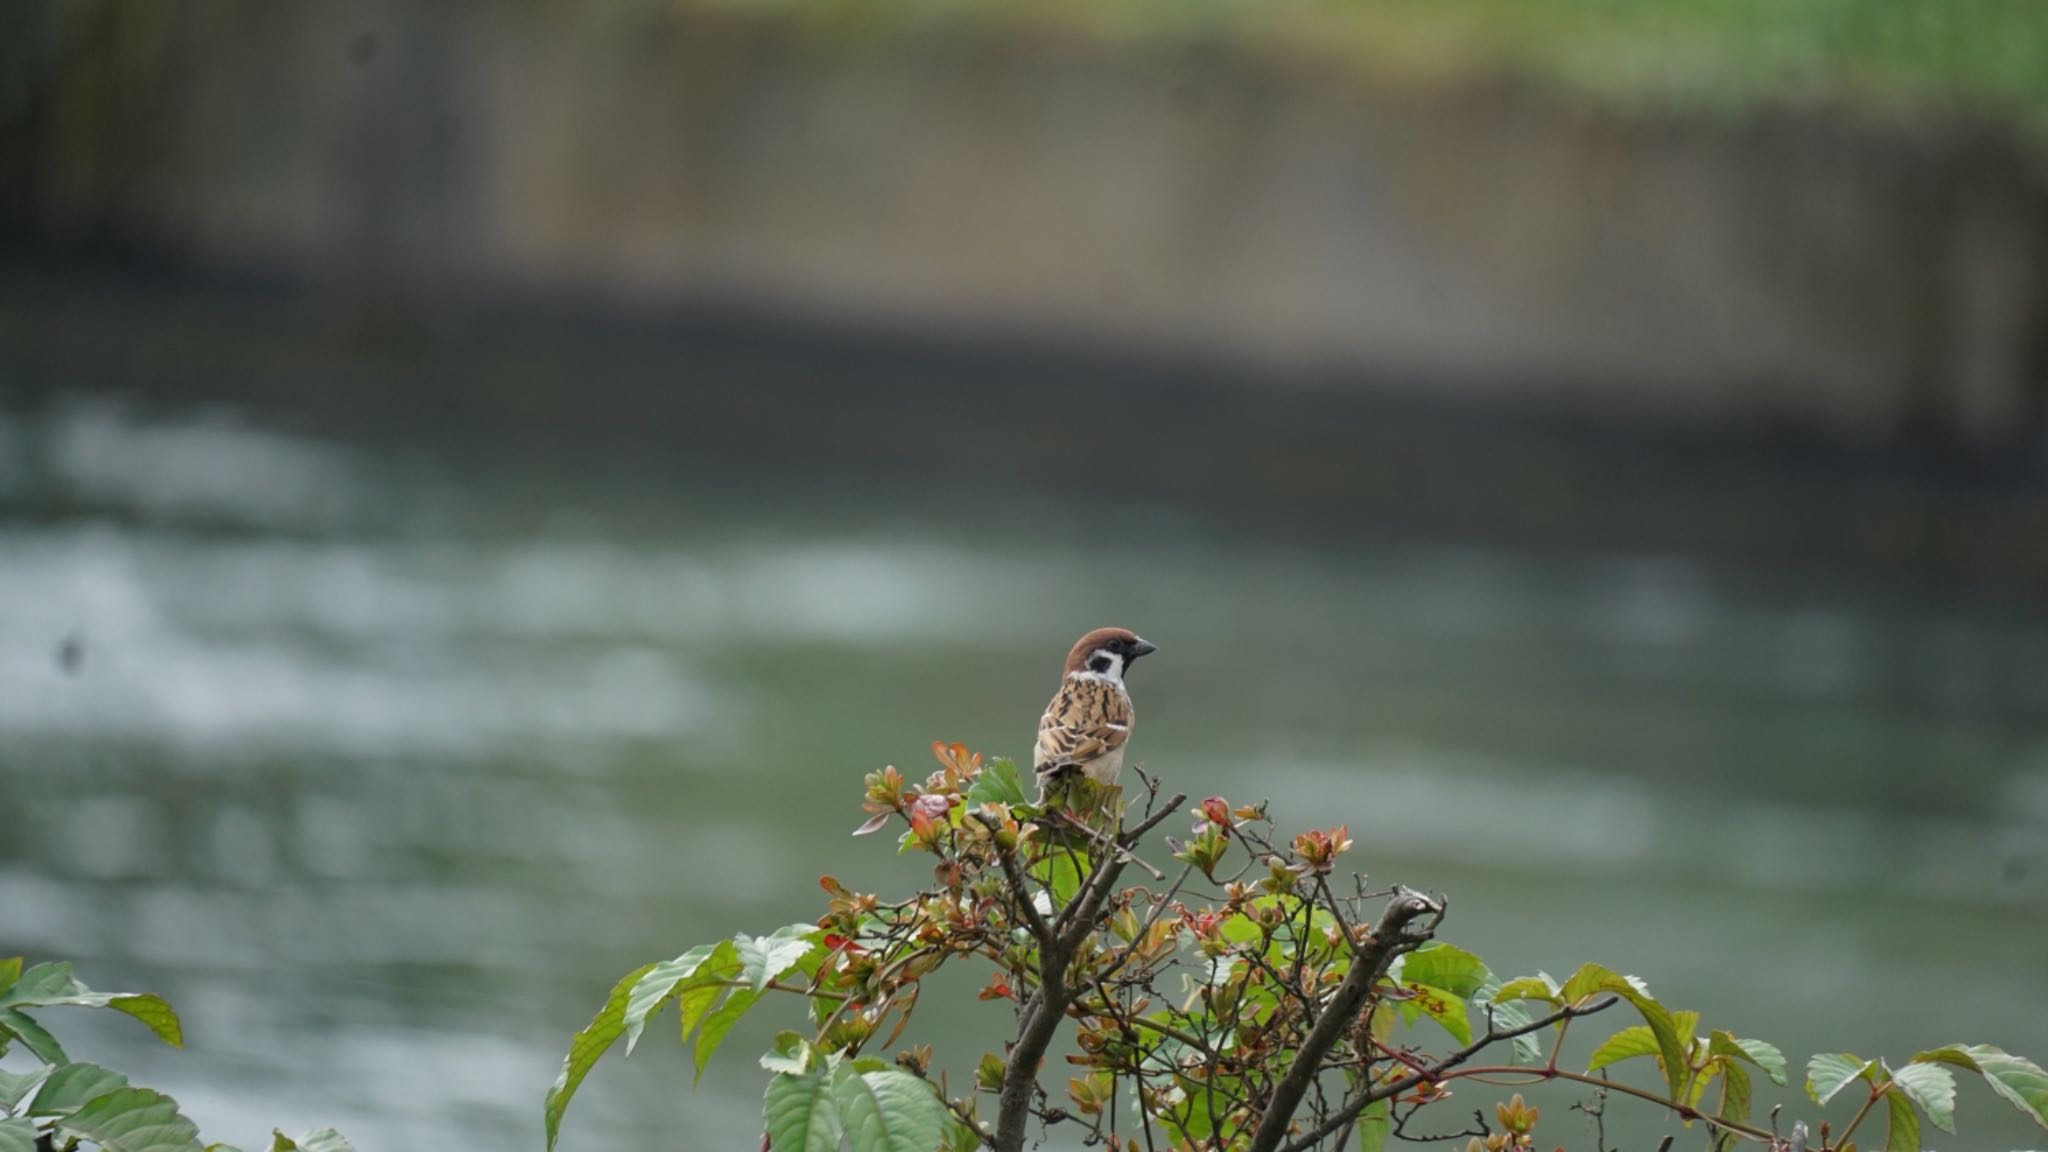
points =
(53, 986)
(694, 1002)
(997, 784)
(1627, 1044)
(40, 983)
(800, 1114)
(153, 1011)
(34, 1035)
(1757, 1052)
(133, 1120)
(763, 958)
(320, 1140)
(1686, 1023)
(1933, 1088)
(1696, 1087)
(716, 1025)
(1529, 988)
(70, 1087)
(1446, 1008)
(15, 1086)
(888, 1110)
(667, 978)
(1527, 1048)
(1828, 1072)
(1735, 1091)
(1902, 1134)
(586, 1046)
(10, 971)
(1061, 872)
(17, 1136)
(791, 1054)
(1593, 979)
(2022, 1082)
(222, 1148)
(1373, 1125)
(1445, 966)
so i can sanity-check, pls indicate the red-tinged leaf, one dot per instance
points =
(871, 824)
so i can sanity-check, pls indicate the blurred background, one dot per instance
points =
(481, 482)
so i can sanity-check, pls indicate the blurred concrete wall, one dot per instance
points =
(1779, 267)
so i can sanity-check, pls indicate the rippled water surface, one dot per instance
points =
(384, 771)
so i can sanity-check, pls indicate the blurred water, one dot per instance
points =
(384, 771)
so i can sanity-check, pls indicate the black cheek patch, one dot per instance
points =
(1098, 664)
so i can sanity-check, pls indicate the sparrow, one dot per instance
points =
(1084, 728)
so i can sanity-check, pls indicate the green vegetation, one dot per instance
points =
(1978, 57)
(64, 1104)
(1252, 1001)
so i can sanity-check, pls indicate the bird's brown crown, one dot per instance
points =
(1117, 639)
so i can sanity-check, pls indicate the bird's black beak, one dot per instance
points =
(1142, 648)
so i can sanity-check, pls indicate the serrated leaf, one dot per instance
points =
(2022, 1082)
(585, 1048)
(1374, 1124)
(1902, 1134)
(663, 981)
(1527, 988)
(997, 784)
(1507, 1017)
(1447, 1009)
(763, 958)
(16, 1086)
(34, 1035)
(1687, 1023)
(1593, 979)
(133, 1120)
(1735, 1092)
(716, 1025)
(1763, 1055)
(1933, 1088)
(1627, 1044)
(888, 1110)
(791, 1054)
(17, 1136)
(800, 1114)
(70, 1087)
(694, 1003)
(1829, 1071)
(1445, 966)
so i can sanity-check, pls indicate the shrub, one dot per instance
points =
(1251, 1001)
